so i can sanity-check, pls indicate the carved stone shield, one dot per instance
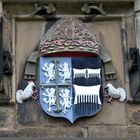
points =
(70, 71)
(70, 87)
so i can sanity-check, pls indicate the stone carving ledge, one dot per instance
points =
(58, 1)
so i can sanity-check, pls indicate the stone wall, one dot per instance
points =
(22, 33)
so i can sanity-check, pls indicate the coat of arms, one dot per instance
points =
(70, 79)
(70, 71)
(70, 87)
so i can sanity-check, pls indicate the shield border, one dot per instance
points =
(71, 116)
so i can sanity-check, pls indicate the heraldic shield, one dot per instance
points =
(70, 87)
(70, 71)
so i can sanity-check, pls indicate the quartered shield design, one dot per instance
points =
(71, 87)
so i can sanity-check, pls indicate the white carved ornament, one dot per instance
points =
(64, 72)
(26, 93)
(67, 99)
(116, 92)
(49, 71)
(49, 98)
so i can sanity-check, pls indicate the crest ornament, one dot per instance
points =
(70, 81)
(70, 86)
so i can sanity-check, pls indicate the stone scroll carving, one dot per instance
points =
(49, 9)
(87, 8)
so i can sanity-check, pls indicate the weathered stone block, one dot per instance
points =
(114, 131)
(6, 116)
(53, 132)
(106, 131)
